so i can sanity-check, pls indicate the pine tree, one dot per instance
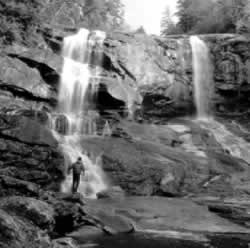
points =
(167, 24)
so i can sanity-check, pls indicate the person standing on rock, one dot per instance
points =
(77, 169)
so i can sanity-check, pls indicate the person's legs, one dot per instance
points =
(74, 183)
(77, 182)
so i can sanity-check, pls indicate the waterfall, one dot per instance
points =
(203, 89)
(231, 143)
(106, 130)
(202, 77)
(82, 54)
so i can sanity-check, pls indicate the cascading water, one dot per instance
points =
(203, 89)
(202, 79)
(234, 145)
(79, 51)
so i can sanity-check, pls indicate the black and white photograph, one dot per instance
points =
(124, 123)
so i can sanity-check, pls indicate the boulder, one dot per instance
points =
(111, 222)
(69, 215)
(86, 233)
(13, 186)
(112, 192)
(64, 243)
(16, 232)
(39, 212)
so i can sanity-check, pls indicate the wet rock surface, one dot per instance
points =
(29, 152)
(166, 89)
(163, 214)
(150, 80)
(168, 162)
(39, 212)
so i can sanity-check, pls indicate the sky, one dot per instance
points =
(147, 13)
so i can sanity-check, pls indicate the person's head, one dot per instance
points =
(79, 159)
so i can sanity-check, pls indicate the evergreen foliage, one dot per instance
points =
(19, 19)
(208, 16)
(22, 20)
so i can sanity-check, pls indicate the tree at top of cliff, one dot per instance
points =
(105, 15)
(168, 26)
(22, 20)
(210, 16)
(243, 25)
(92, 14)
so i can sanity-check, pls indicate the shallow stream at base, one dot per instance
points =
(158, 241)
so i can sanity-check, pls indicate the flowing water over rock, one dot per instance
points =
(82, 54)
(232, 144)
(203, 88)
(202, 77)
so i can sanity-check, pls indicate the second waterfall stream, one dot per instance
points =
(203, 90)
(82, 58)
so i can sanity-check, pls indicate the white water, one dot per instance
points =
(234, 145)
(202, 79)
(78, 52)
(203, 89)
(107, 130)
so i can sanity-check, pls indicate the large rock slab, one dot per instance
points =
(235, 209)
(159, 166)
(64, 243)
(25, 82)
(86, 233)
(164, 214)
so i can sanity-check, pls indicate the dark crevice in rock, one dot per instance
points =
(106, 102)
(49, 75)
(117, 66)
(127, 71)
(22, 93)
(236, 214)
(108, 65)
(54, 44)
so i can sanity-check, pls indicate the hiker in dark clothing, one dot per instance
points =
(77, 168)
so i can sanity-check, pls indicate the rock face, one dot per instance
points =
(28, 90)
(152, 76)
(152, 73)
(148, 160)
(16, 232)
(163, 214)
(156, 74)
(230, 56)
(29, 153)
(28, 78)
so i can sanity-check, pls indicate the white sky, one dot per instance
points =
(147, 13)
